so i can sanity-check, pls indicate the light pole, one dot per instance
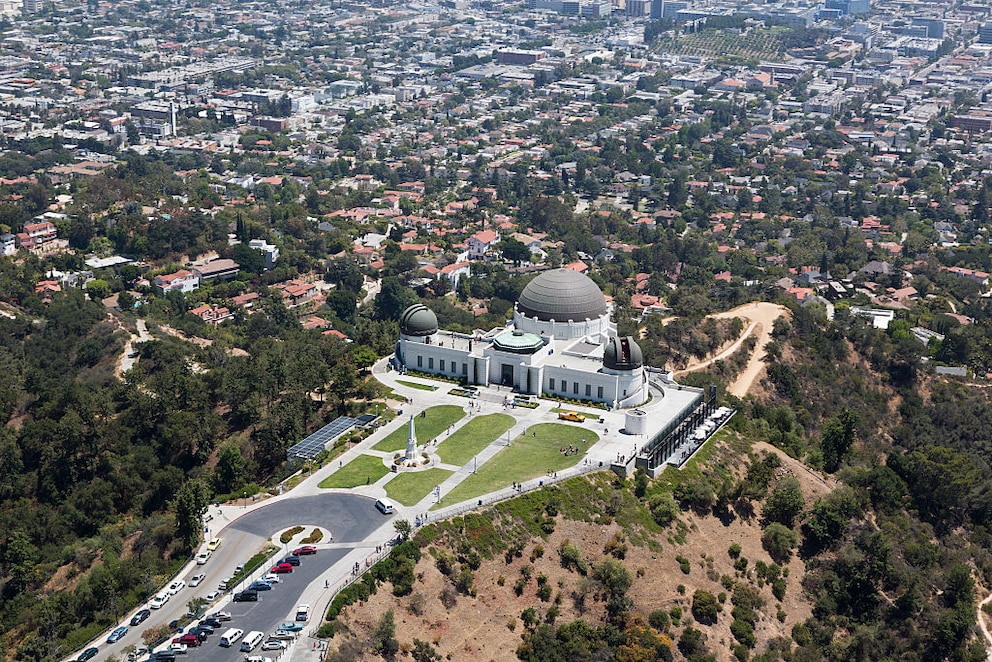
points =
(246, 500)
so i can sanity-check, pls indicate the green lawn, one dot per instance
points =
(466, 442)
(430, 426)
(363, 470)
(422, 387)
(409, 488)
(527, 457)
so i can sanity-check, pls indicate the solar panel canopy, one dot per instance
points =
(321, 439)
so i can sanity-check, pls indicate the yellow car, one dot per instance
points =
(571, 416)
(213, 544)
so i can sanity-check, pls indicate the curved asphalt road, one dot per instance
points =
(349, 517)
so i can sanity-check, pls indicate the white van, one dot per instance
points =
(231, 637)
(384, 506)
(252, 639)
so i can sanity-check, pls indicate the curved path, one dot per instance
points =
(984, 626)
(760, 316)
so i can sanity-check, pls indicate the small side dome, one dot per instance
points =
(418, 320)
(622, 354)
(518, 342)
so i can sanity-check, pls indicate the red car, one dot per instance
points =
(190, 640)
(303, 551)
(280, 568)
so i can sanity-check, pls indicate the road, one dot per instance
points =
(350, 518)
(130, 353)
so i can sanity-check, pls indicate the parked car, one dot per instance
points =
(203, 557)
(257, 658)
(88, 654)
(246, 596)
(196, 580)
(271, 578)
(136, 654)
(260, 586)
(176, 586)
(159, 600)
(211, 621)
(291, 626)
(190, 640)
(211, 596)
(273, 645)
(201, 630)
(117, 634)
(140, 616)
(305, 550)
(280, 568)
(213, 544)
(283, 634)
(221, 615)
(291, 560)
(163, 656)
(178, 648)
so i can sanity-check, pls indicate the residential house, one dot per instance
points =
(8, 245)
(222, 269)
(296, 292)
(40, 238)
(973, 275)
(212, 314)
(181, 281)
(481, 243)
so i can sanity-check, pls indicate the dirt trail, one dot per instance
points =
(985, 628)
(722, 354)
(760, 317)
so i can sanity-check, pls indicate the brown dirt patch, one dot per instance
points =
(477, 629)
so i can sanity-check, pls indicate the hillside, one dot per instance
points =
(844, 516)
(491, 624)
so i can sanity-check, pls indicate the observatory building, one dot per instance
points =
(561, 343)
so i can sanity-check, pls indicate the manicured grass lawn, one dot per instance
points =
(363, 469)
(466, 442)
(428, 427)
(527, 457)
(422, 387)
(409, 488)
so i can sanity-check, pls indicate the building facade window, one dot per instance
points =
(575, 388)
(551, 384)
(588, 390)
(442, 365)
(420, 362)
(465, 369)
(599, 392)
(430, 362)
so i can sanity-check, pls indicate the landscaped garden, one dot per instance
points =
(528, 456)
(428, 424)
(408, 488)
(467, 441)
(363, 470)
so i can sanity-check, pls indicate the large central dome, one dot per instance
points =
(562, 295)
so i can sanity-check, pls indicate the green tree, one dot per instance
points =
(393, 299)
(229, 473)
(384, 636)
(190, 503)
(838, 437)
(705, 607)
(403, 528)
(779, 541)
(785, 502)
